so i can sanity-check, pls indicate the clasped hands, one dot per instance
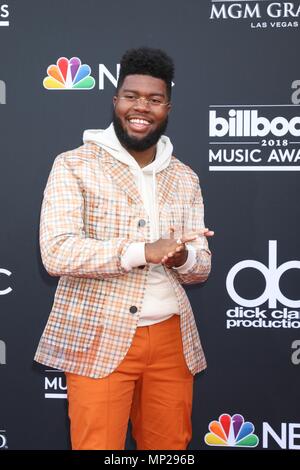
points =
(171, 252)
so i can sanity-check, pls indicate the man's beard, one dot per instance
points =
(132, 143)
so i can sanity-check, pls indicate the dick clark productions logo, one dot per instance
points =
(272, 275)
(69, 74)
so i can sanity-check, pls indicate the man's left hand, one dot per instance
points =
(179, 256)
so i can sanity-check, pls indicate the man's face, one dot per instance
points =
(139, 125)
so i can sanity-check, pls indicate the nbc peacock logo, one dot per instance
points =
(69, 74)
(231, 431)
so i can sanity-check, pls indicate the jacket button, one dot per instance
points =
(133, 309)
(141, 223)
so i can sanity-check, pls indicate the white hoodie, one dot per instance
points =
(160, 301)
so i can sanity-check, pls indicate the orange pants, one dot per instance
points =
(152, 387)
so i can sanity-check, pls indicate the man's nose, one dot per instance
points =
(141, 103)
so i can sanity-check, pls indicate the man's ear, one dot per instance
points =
(114, 100)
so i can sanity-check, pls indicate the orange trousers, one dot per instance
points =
(152, 387)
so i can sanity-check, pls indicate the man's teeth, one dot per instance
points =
(139, 121)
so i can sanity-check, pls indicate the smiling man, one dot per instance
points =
(122, 224)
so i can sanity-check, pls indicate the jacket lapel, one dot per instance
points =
(166, 180)
(167, 184)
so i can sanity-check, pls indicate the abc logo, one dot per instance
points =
(272, 275)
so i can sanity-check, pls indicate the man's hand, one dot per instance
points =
(155, 251)
(167, 251)
(179, 256)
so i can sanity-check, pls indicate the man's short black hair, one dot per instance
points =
(147, 61)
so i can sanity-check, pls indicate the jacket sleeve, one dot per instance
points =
(201, 268)
(65, 249)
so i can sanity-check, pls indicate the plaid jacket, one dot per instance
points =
(90, 214)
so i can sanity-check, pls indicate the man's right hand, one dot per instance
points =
(155, 251)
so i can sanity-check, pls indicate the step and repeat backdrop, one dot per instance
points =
(236, 121)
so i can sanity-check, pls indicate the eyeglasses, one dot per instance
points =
(150, 101)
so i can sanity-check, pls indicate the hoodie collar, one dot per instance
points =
(108, 140)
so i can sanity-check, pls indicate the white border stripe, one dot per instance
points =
(232, 1)
(250, 105)
(237, 143)
(253, 168)
(56, 395)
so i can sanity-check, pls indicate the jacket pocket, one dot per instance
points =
(104, 218)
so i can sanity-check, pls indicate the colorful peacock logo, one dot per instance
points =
(231, 431)
(69, 74)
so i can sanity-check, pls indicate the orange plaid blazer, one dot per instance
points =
(89, 216)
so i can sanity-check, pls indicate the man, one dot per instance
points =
(116, 217)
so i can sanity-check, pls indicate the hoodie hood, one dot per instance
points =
(107, 139)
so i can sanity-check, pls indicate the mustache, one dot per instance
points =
(133, 143)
